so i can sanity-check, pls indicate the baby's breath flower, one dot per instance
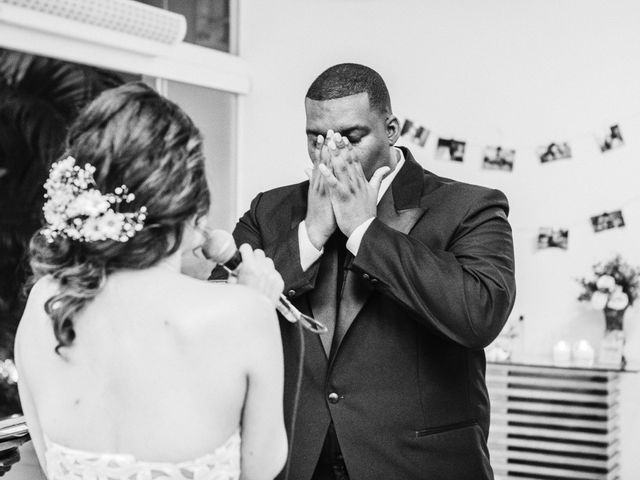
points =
(90, 203)
(76, 209)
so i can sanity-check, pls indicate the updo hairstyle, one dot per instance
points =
(132, 136)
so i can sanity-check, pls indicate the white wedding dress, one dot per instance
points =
(65, 463)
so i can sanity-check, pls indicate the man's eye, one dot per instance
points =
(353, 139)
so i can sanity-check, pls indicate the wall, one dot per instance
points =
(504, 72)
(214, 112)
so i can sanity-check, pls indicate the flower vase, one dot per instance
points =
(613, 319)
(612, 346)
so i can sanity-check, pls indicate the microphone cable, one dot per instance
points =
(296, 398)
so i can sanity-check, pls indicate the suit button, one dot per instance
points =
(374, 281)
(334, 397)
(365, 276)
(291, 293)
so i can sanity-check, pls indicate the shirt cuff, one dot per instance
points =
(353, 242)
(309, 254)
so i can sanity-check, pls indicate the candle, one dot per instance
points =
(562, 353)
(583, 353)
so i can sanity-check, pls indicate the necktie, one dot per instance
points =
(340, 244)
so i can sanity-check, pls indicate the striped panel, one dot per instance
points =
(553, 423)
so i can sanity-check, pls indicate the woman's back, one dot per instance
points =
(64, 463)
(120, 357)
(158, 370)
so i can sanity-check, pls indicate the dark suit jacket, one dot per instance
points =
(432, 284)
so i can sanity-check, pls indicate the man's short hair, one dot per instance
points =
(347, 79)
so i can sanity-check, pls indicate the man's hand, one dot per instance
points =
(354, 199)
(257, 272)
(320, 220)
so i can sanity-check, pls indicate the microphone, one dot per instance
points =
(221, 248)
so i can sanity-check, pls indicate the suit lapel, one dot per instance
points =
(400, 209)
(323, 298)
(400, 220)
(354, 295)
(401, 206)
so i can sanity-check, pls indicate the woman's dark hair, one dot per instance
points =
(133, 137)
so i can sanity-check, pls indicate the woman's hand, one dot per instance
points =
(257, 272)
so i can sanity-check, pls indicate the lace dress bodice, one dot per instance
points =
(64, 463)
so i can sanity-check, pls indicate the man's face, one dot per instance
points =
(367, 129)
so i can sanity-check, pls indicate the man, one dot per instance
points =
(395, 389)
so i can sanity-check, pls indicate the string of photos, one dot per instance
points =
(558, 237)
(497, 157)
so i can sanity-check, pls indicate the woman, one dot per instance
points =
(128, 369)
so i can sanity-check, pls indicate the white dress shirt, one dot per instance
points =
(310, 254)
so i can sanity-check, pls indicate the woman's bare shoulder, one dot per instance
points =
(44, 288)
(35, 329)
(41, 291)
(236, 300)
(236, 309)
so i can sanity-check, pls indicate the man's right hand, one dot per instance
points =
(320, 220)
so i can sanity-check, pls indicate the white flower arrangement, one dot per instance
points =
(614, 285)
(76, 209)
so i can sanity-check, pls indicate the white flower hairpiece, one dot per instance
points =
(76, 209)
(8, 371)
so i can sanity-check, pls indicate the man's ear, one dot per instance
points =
(392, 125)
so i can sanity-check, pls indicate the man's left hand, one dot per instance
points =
(353, 198)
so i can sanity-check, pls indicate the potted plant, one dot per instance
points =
(612, 288)
(39, 98)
